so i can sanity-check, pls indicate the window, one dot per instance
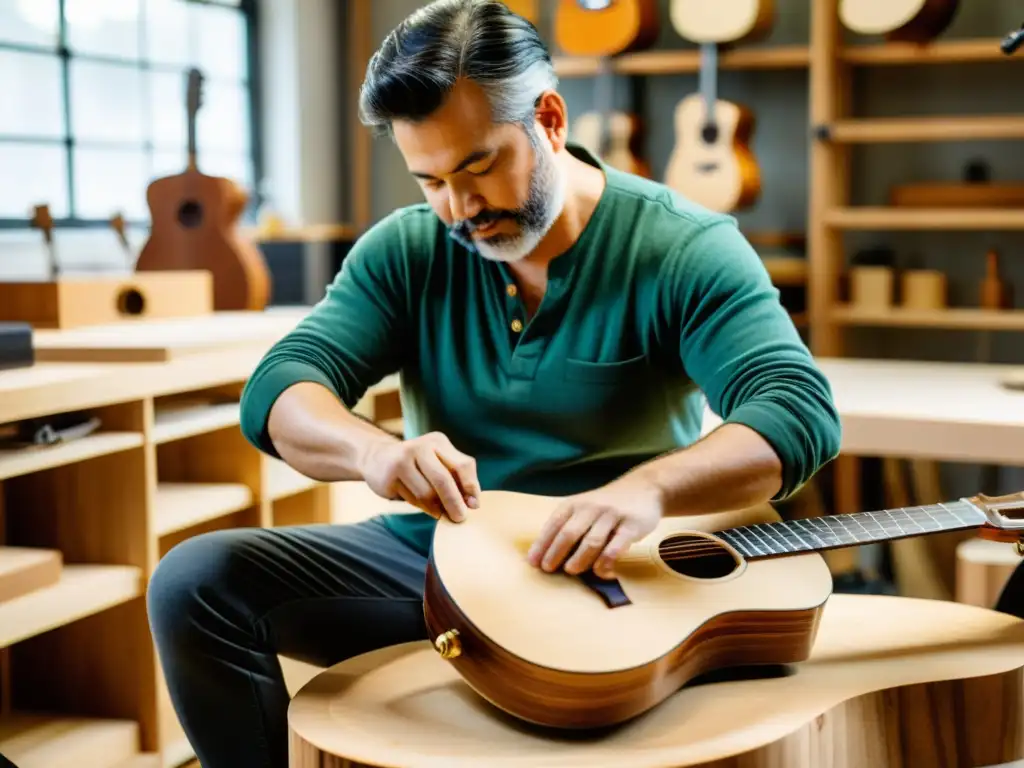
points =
(92, 102)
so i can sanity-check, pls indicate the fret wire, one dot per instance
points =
(811, 530)
(769, 527)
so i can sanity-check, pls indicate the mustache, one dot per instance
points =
(466, 227)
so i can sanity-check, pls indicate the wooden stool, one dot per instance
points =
(982, 570)
(892, 681)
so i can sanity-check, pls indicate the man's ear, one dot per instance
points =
(552, 116)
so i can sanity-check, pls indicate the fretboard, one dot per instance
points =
(833, 531)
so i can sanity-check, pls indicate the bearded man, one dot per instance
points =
(557, 325)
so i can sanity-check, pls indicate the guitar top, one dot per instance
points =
(622, 148)
(722, 21)
(916, 21)
(194, 226)
(605, 27)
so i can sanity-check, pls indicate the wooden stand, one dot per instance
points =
(892, 682)
(72, 302)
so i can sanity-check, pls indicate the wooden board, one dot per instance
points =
(26, 569)
(892, 682)
(168, 339)
(89, 300)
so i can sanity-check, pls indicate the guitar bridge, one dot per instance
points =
(707, 167)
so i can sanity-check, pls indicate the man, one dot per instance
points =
(555, 323)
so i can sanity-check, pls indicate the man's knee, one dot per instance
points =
(193, 583)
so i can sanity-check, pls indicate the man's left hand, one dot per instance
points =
(604, 522)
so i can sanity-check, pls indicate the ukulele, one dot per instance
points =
(195, 227)
(914, 21)
(698, 594)
(711, 162)
(605, 27)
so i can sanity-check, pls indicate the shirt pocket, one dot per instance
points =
(617, 372)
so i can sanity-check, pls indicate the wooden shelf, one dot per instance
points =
(868, 217)
(283, 481)
(954, 318)
(951, 128)
(82, 591)
(23, 461)
(181, 505)
(181, 420)
(680, 62)
(940, 52)
(51, 741)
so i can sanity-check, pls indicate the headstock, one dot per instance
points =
(1005, 516)
(43, 221)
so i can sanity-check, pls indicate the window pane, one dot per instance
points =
(220, 34)
(106, 102)
(103, 27)
(33, 174)
(224, 119)
(167, 109)
(30, 99)
(35, 22)
(238, 168)
(167, 32)
(109, 180)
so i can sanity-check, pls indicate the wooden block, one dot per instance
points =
(26, 569)
(76, 301)
(982, 570)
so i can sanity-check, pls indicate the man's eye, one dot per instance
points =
(483, 172)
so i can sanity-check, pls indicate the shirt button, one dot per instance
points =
(511, 289)
(517, 325)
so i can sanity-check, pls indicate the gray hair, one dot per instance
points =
(420, 61)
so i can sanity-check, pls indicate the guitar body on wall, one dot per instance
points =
(605, 27)
(722, 21)
(620, 147)
(194, 226)
(711, 162)
(699, 594)
(914, 21)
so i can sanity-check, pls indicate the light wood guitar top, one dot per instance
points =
(406, 706)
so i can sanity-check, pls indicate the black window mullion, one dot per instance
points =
(65, 75)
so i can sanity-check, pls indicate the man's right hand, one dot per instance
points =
(427, 472)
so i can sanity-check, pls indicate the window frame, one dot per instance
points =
(250, 14)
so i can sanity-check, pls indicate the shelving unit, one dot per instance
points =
(80, 683)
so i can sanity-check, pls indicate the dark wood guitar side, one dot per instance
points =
(194, 226)
(605, 27)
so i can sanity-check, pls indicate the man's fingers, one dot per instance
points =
(566, 538)
(444, 484)
(464, 469)
(623, 537)
(592, 544)
(409, 497)
(547, 534)
(420, 487)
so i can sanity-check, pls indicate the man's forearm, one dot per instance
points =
(733, 467)
(317, 435)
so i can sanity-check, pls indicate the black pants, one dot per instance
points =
(223, 605)
(1011, 600)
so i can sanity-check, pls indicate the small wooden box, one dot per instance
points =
(77, 301)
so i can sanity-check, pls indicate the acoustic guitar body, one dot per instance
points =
(914, 21)
(623, 149)
(605, 27)
(194, 227)
(722, 21)
(722, 174)
(548, 649)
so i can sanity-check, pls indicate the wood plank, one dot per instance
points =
(882, 218)
(954, 318)
(82, 591)
(15, 462)
(49, 741)
(937, 52)
(932, 128)
(181, 505)
(24, 570)
(186, 419)
(679, 62)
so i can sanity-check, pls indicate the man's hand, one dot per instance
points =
(427, 472)
(604, 522)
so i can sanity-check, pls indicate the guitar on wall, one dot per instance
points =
(712, 162)
(195, 226)
(698, 594)
(913, 21)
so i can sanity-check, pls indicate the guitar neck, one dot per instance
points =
(192, 151)
(709, 73)
(834, 531)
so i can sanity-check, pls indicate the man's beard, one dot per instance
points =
(534, 218)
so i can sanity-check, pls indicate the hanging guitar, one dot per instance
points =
(605, 27)
(913, 21)
(699, 593)
(195, 227)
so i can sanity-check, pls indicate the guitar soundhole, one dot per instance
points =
(709, 133)
(190, 215)
(131, 302)
(698, 557)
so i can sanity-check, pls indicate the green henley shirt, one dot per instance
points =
(659, 304)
